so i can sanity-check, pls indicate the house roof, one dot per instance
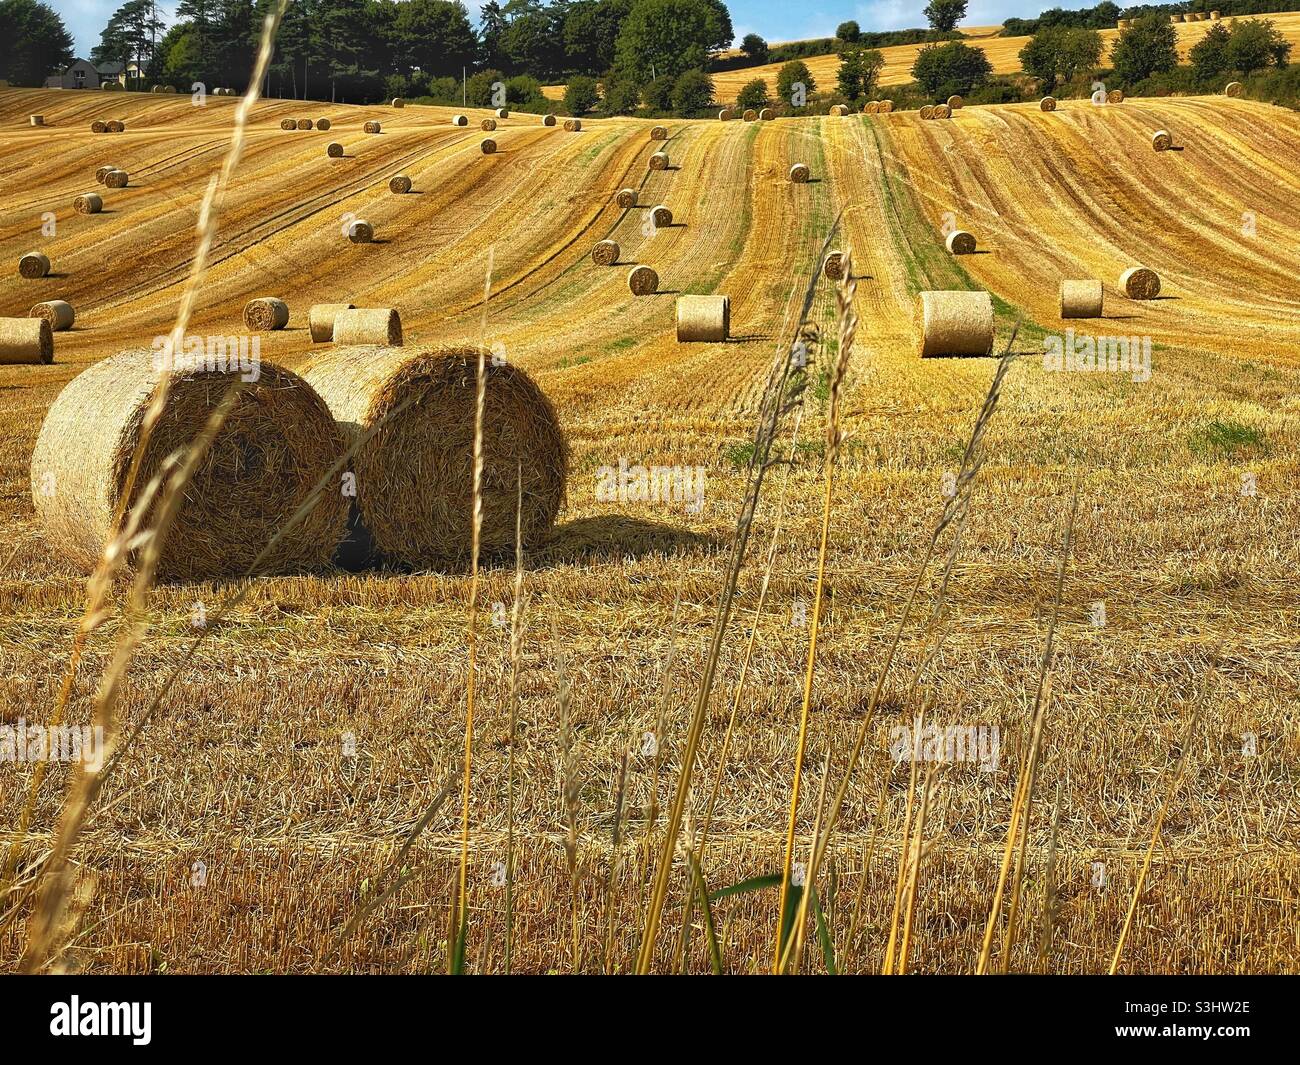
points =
(110, 68)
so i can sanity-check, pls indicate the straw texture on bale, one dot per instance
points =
(766, 114)
(573, 125)
(305, 123)
(927, 111)
(266, 312)
(276, 443)
(88, 203)
(1139, 283)
(361, 232)
(799, 173)
(399, 183)
(839, 110)
(626, 198)
(548, 120)
(502, 112)
(37, 120)
(368, 326)
(459, 120)
(661, 216)
(955, 323)
(334, 150)
(398, 102)
(323, 123)
(320, 320)
(643, 281)
(834, 265)
(658, 133)
(956, 103)
(724, 115)
(872, 107)
(25, 340)
(414, 411)
(488, 125)
(98, 127)
(659, 161)
(1233, 88)
(1161, 141)
(116, 179)
(1115, 96)
(605, 252)
(487, 146)
(942, 111)
(372, 127)
(1081, 298)
(33, 265)
(103, 172)
(750, 115)
(1047, 103)
(959, 242)
(703, 319)
(116, 126)
(288, 123)
(58, 313)
(886, 106)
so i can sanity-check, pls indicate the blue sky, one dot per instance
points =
(775, 20)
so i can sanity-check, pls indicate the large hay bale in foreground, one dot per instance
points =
(117, 179)
(1139, 283)
(25, 340)
(959, 242)
(660, 216)
(643, 281)
(1047, 103)
(372, 127)
(833, 267)
(703, 319)
(266, 313)
(799, 174)
(320, 320)
(33, 265)
(487, 146)
(658, 133)
(361, 232)
(88, 203)
(1082, 298)
(573, 125)
(459, 120)
(605, 252)
(369, 327)
(1233, 88)
(59, 313)
(415, 410)
(626, 198)
(955, 323)
(276, 444)
(488, 125)
(659, 161)
(1161, 141)
(399, 183)
(334, 150)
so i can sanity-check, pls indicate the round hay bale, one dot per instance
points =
(275, 445)
(116, 179)
(361, 232)
(573, 125)
(1047, 103)
(398, 102)
(1139, 283)
(89, 203)
(750, 115)
(703, 319)
(488, 125)
(58, 313)
(658, 133)
(1233, 88)
(169, 88)
(156, 88)
(766, 115)
(886, 106)
(266, 313)
(626, 198)
(372, 127)
(833, 267)
(660, 216)
(959, 242)
(415, 472)
(305, 123)
(487, 146)
(839, 110)
(724, 115)
(927, 112)
(399, 183)
(103, 172)
(116, 126)
(370, 326)
(643, 281)
(320, 320)
(799, 174)
(548, 120)
(288, 123)
(942, 111)
(37, 120)
(955, 323)
(33, 265)
(605, 252)
(459, 120)
(659, 161)
(1115, 96)
(955, 103)
(872, 107)
(1081, 299)
(502, 112)
(323, 123)
(334, 150)
(98, 127)
(25, 341)
(1161, 141)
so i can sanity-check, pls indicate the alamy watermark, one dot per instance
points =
(21, 742)
(627, 483)
(946, 743)
(1073, 353)
(215, 354)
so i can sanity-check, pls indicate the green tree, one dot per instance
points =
(478, 89)
(1149, 46)
(848, 32)
(692, 93)
(581, 94)
(1209, 55)
(943, 15)
(1059, 53)
(755, 47)
(131, 35)
(949, 69)
(591, 29)
(530, 44)
(670, 36)
(859, 72)
(1252, 43)
(434, 36)
(34, 43)
(794, 73)
(753, 94)
(621, 97)
(658, 93)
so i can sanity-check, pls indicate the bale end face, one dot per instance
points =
(502, 112)
(766, 115)
(26, 341)
(266, 313)
(658, 133)
(1233, 88)
(288, 124)
(98, 127)
(1161, 141)
(90, 203)
(750, 115)
(799, 174)
(605, 252)
(398, 102)
(334, 150)
(626, 198)
(305, 123)
(361, 232)
(33, 265)
(1139, 283)
(959, 242)
(488, 125)
(372, 127)
(942, 111)
(643, 281)
(1115, 96)
(955, 323)
(659, 161)
(661, 217)
(399, 183)
(548, 120)
(724, 115)
(459, 120)
(116, 179)
(488, 146)
(1047, 103)
(1081, 298)
(368, 326)
(833, 268)
(59, 313)
(37, 120)
(956, 103)
(573, 125)
(703, 319)
(103, 172)
(323, 123)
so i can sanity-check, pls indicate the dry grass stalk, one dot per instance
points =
(1049, 906)
(517, 626)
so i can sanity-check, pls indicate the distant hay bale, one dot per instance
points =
(833, 268)
(548, 120)
(398, 102)
(25, 341)
(288, 123)
(37, 120)
(88, 203)
(643, 281)
(1161, 141)
(658, 133)
(320, 320)
(659, 161)
(323, 123)
(927, 112)
(156, 88)
(955, 323)
(116, 179)
(116, 125)
(886, 106)
(1215, 16)
(488, 125)
(459, 120)
(277, 442)
(1115, 96)
(361, 232)
(1081, 298)
(724, 115)
(334, 150)
(660, 216)
(1047, 103)
(266, 313)
(371, 326)
(372, 127)
(605, 252)
(703, 319)
(1139, 283)
(169, 88)
(626, 198)
(799, 174)
(33, 265)
(487, 146)
(766, 114)
(959, 242)
(839, 110)
(305, 123)
(942, 111)
(98, 127)
(750, 115)
(502, 112)
(956, 103)
(410, 413)
(58, 313)
(399, 183)
(103, 172)
(1233, 88)
(872, 107)
(573, 125)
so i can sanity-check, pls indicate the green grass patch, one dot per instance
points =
(1226, 439)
